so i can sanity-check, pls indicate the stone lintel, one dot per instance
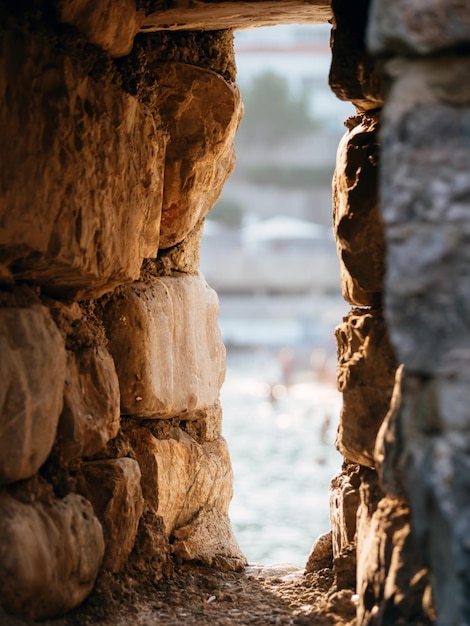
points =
(210, 15)
(113, 24)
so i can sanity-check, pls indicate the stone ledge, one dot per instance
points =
(113, 25)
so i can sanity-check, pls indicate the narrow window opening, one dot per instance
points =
(268, 250)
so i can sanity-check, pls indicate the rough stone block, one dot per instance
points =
(202, 112)
(392, 583)
(366, 377)
(425, 209)
(354, 74)
(113, 488)
(418, 26)
(344, 501)
(50, 555)
(424, 456)
(356, 220)
(90, 416)
(113, 25)
(181, 477)
(167, 347)
(321, 555)
(32, 367)
(209, 539)
(79, 219)
(204, 425)
(108, 24)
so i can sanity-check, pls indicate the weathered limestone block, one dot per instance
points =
(90, 416)
(80, 219)
(392, 584)
(344, 502)
(418, 26)
(113, 488)
(32, 366)
(424, 453)
(167, 347)
(425, 209)
(209, 539)
(181, 477)
(366, 377)
(50, 555)
(354, 73)
(356, 219)
(202, 112)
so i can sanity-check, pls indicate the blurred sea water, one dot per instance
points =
(281, 442)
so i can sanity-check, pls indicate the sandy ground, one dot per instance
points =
(278, 594)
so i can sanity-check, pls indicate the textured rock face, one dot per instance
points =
(354, 73)
(90, 416)
(81, 193)
(80, 219)
(366, 376)
(168, 360)
(180, 477)
(32, 369)
(356, 221)
(113, 488)
(421, 26)
(51, 554)
(424, 446)
(427, 295)
(112, 164)
(113, 24)
(344, 502)
(391, 580)
(200, 153)
(209, 538)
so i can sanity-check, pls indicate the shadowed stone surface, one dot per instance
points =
(167, 347)
(80, 219)
(113, 488)
(32, 370)
(354, 74)
(50, 555)
(424, 449)
(366, 375)
(392, 584)
(113, 24)
(418, 27)
(90, 417)
(426, 203)
(356, 220)
(344, 502)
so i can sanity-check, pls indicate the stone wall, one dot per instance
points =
(117, 122)
(399, 508)
(425, 211)
(111, 357)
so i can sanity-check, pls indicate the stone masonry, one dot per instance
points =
(117, 122)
